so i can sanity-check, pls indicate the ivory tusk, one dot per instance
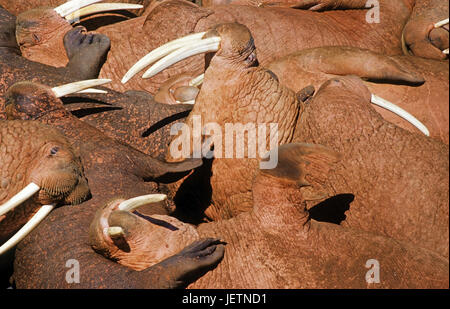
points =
(93, 90)
(19, 198)
(191, 102)
(445, 51)
(203, 46)
(73, 5)
(441, 23)
(27, 228)
(400, 112)
(161, 52)
(78, 86)
(115, 232)
(101, 7)
(197, 81)
(131, 204)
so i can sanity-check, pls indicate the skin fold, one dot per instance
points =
(171, 19)
(32, 152)
(420, 86)
(283, 245)
(377, 154)
(113, 169)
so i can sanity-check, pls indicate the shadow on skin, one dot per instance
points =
(91, 111)
(195, 190)
(164, 122)
(333, 209)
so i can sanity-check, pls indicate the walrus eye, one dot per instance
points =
(54, 150)
(36, 38)
(251, 59)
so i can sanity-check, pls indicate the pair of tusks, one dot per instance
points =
(129, 205)
(17, 200)
(31, 189)
(74, 9)
(80, 87)
(440, 24)
(194, 44)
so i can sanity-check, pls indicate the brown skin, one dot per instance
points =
(376, 167)
(171, 19)
(85, 58)
(420, 38)
(111, 113)
(284, 248)
(420, 86)
(32, 152)
(113, 169)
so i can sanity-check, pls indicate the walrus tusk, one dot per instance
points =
(441, 23)
(78, 86)
(190, 102)
(93, 90)
(400, 112)
(19, 198)
(194, 48)
(197, 81)
(115, 232)
(160, 52)
(101, 7)
(72, 6)
(133, 203)
(27, 228)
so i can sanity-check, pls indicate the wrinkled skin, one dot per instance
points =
(271, 28)
(277, 244)
(420, 38)
(32, 152)
(85, 59)
(420, 86)
(111, 113)
(313, 5)
(376, 168)
(113, 170)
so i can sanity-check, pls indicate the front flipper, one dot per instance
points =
(345, 60)
(86, 52)
(307, 165)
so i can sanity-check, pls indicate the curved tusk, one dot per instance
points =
(441, 23)
(400, 112)
(101, 7)
(161, 52)
(191, 102)
(445, 51)
(78, 86)
(27, 228)
(72, 6)
(116, 232)
(19, 198)
(93, 90)
(203, 46)
(131, 204)
(197, 81)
